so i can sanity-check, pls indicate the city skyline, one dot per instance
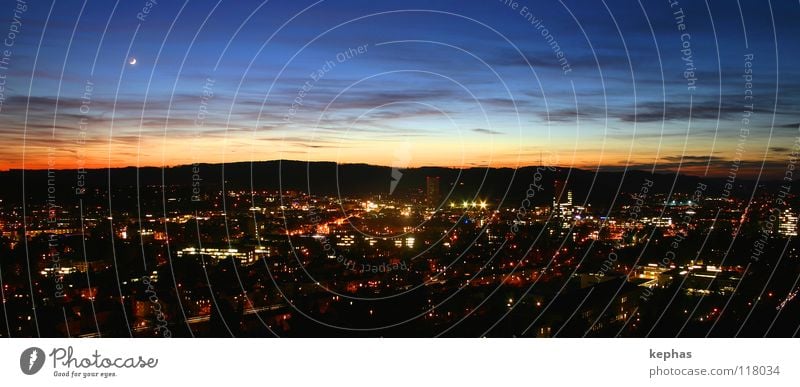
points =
(290, 263)
(353, 168)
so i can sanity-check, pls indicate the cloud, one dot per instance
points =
(718, 167)
(684, 159)
(487, 131)
(571, 114)
(670, 111)
(795, 125)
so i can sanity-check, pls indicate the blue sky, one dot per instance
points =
(452, 83)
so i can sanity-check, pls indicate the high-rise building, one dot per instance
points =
(432, 190)
(788, 223)
(562, 205)
(561, 195)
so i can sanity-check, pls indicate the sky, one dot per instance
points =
(652, 85)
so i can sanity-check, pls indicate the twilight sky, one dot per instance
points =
(404, 83)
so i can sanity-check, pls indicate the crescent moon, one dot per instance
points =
(132, 61)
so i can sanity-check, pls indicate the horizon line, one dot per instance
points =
(619, 169)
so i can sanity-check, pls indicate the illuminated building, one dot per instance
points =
(562, 204)
(346, 240)
(247, 257)
(655, 274)
(561, 195)
(788, 223)
(711, 281)
(53, 231)
(659, 222)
